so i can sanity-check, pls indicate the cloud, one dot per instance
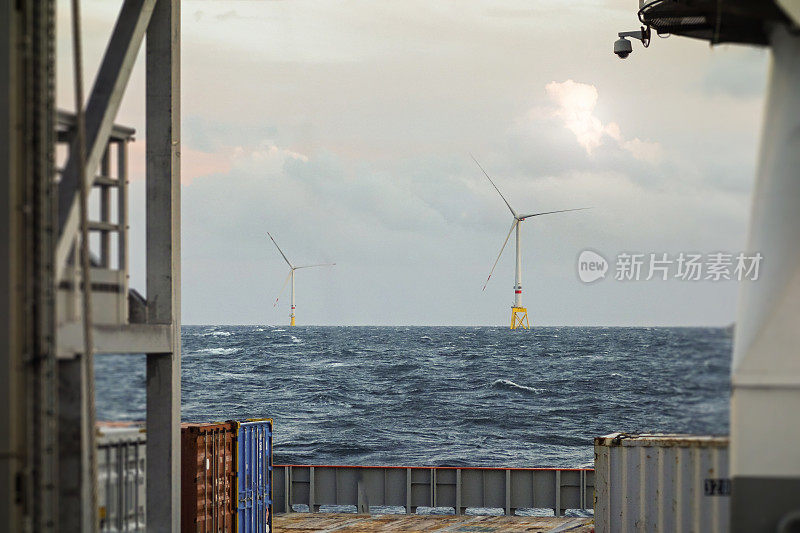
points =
(575, 107)
(576, 103)
(267, 149)
(195, 163)
(649, 152)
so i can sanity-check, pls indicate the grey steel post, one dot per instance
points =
(105, 211)
(433, 487)
(163, 264)
(458, 491)
(122, 218)
(74, 473)
(311, 490)
(408, 491)
(558, 492)
(287, 488)
(508, 492)
(583, 489)
(12, 396)
(362, 504)
(28, 450)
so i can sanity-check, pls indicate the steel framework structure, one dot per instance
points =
(45, 450)
(412, 487)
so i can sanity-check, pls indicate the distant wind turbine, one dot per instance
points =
(519, 314)
(292, 268)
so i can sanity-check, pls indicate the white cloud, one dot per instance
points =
(268, 150)
(576, 104)
(650, 152)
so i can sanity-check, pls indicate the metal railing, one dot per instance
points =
(109, 277)
(508, 489)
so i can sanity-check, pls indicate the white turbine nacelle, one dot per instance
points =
(519, 315)
(292, 268)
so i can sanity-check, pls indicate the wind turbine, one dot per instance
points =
(292, 268)
(519, 314)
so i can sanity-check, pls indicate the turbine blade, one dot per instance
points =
(513, 225)
(279, 249)
(495, 186)
(523, 217)
(283, 288)
(317, 265)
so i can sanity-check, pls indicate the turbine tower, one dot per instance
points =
(292, 268)
(519, 314)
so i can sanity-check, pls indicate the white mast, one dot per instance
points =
(291, 316)
(518, 274)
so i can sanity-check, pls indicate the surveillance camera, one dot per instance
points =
(622, 47)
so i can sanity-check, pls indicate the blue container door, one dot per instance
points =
(254, 450)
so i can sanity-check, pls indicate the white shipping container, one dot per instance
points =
(121, 464)
(663, 483)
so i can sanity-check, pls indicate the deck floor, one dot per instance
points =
(351, 523)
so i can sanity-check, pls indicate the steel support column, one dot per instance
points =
(74, 477)
(12, 396)
(28, 447)
(163, 264)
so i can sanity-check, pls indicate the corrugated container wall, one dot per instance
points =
(254, 476)
(121, 467)
(663, 483)
(207, 478)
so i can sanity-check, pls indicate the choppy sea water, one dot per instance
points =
(435, 396)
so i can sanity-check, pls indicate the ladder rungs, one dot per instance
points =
(95, 225)
(105, 180)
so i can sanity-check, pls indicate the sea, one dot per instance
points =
(441, 396)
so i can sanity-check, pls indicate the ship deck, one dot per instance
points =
(352, 523)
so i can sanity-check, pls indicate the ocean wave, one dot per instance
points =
(400, 400)
(218, 351)
(510, 385)
(217, 334)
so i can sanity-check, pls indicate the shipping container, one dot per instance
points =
(253, 445)
(121, 467)
(207, 478)
(659, 482)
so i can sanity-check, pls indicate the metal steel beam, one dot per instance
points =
(12, 396)
(412, 487)
(73, 431)
(101, 109)
(28, 446)
(122, 218)
(131, 339)
(163, 264)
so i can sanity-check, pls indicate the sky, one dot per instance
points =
(345, 128)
